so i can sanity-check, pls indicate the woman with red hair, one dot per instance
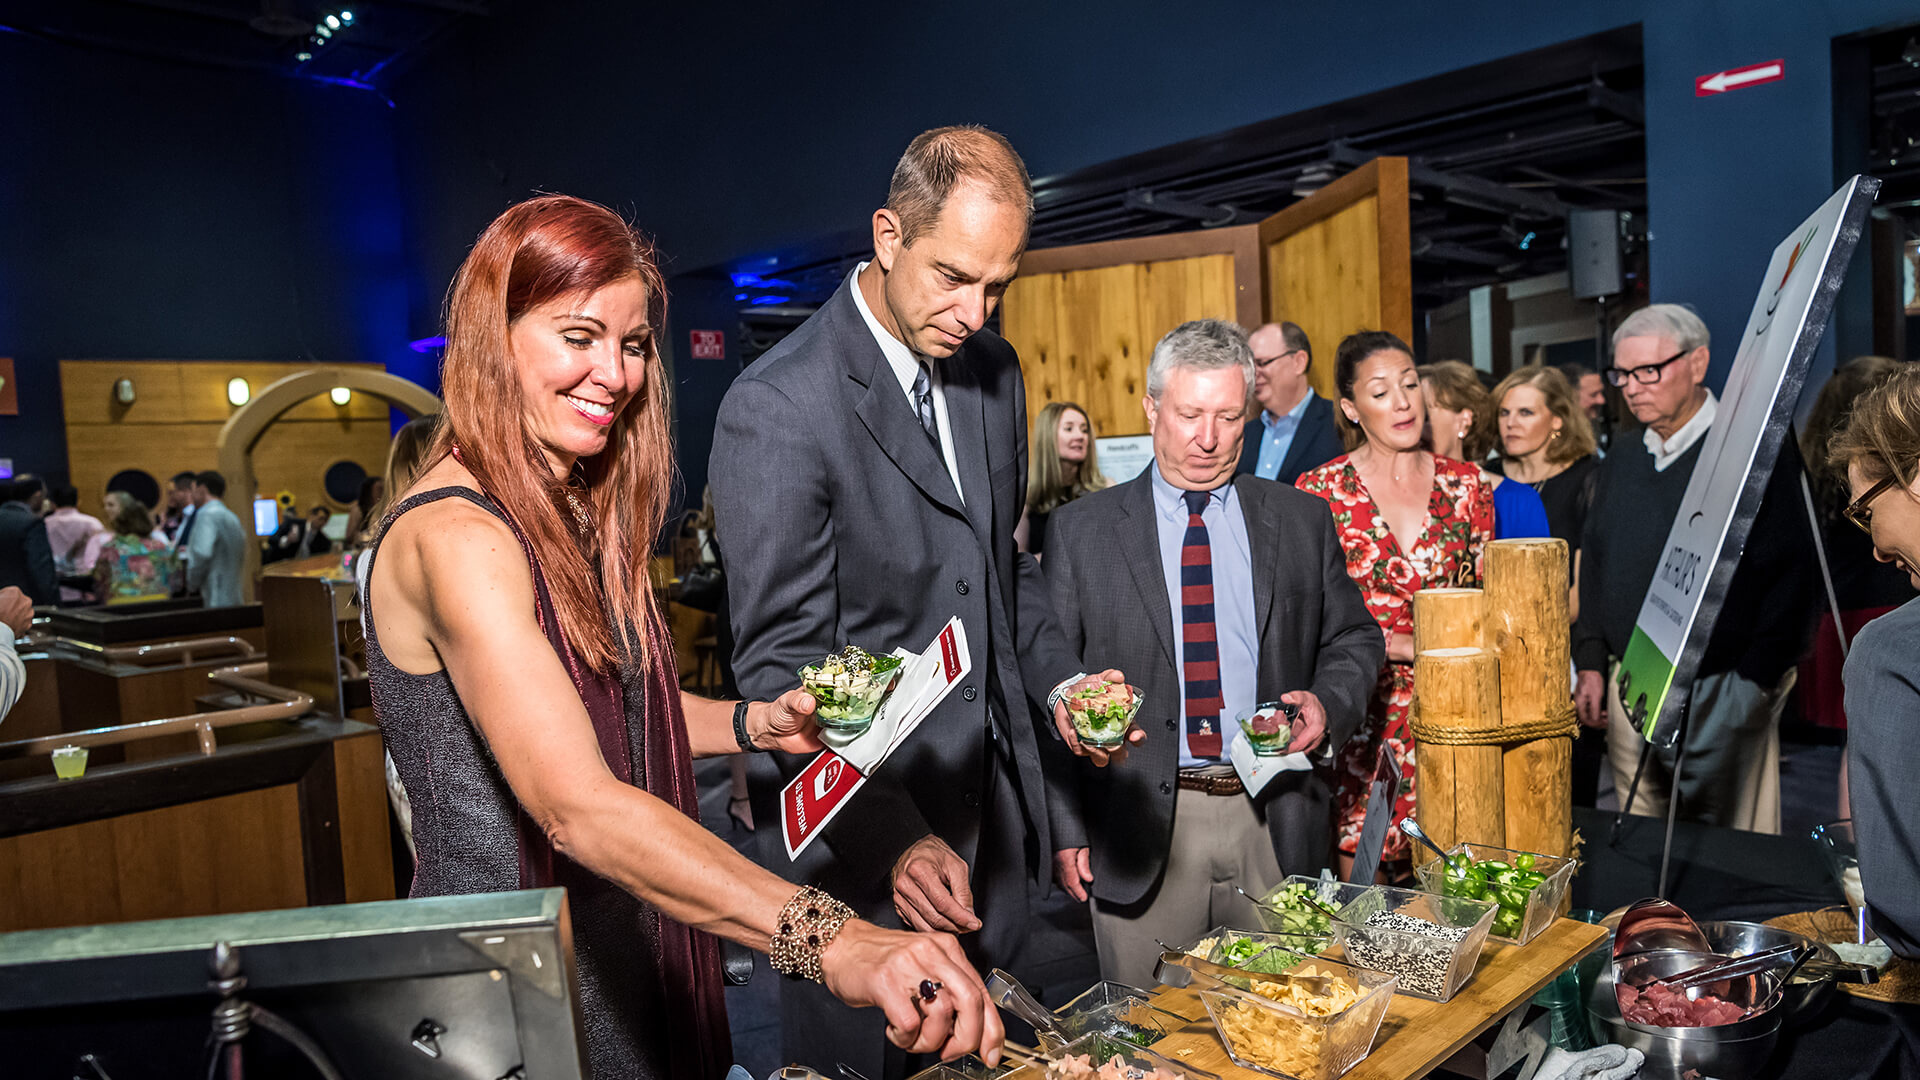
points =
(526, 688)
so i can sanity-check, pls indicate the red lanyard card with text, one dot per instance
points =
(829, 781)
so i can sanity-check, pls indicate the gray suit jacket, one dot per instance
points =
(838, 523)
(1883, 716)
(26, 558)
(1103, 563)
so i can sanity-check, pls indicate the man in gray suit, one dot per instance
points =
(867, 474)
(1217, 592)
(216, 551)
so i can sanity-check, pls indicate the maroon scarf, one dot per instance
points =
(689, 960)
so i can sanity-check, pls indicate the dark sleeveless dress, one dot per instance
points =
(650, 988)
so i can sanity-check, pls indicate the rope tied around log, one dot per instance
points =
(1560, 723)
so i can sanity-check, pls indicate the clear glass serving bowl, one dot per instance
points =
(1264, 1035)
(1526, 920)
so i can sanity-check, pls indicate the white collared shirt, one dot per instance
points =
(906, 366)
(1666, 451)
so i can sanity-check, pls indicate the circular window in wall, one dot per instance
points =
(137, 483)
(343, 482)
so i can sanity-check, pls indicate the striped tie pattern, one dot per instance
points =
(1200, 649)
(923, 404)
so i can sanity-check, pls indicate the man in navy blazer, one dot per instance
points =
(1293, 431)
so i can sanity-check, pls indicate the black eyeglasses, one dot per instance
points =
(1648, 373)
(1859, 512)
(1259, 363)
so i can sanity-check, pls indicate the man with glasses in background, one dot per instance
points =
(1732, 768)
(1293, 431)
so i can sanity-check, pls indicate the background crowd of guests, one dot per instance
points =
(1437, 463)
(864, 475)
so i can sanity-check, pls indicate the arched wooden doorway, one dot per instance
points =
(243, 429)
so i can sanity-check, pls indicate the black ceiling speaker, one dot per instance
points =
(1593, 253)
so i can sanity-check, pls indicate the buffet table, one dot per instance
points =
(1417, 1034)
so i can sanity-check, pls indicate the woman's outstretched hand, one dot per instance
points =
(786, 723)
(890, 969)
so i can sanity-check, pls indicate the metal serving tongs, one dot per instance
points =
(1735, 967)
(1006, 992)
(1175, 968)
(1321, 907)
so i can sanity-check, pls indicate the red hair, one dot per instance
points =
(549, 248)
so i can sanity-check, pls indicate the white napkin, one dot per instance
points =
(1601, 1063)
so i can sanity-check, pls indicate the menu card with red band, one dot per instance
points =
(829, 781)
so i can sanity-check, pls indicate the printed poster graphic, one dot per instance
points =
(1736, 456)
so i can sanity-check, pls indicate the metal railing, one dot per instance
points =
(185, 651)
(281, 704)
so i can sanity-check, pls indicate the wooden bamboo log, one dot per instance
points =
(1459, 788)
(1527, 628)
(1449, 619)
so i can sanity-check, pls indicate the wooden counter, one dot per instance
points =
(159, 620)
(1417, 1035)
(282, 814)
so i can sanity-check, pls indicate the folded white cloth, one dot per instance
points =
(1600, 1063)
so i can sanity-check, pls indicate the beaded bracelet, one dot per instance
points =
(808, 924)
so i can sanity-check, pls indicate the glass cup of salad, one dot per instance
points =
(1269, 727)
(849, 687)
(1102, 711)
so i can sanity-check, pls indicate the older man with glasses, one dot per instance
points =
(1731, 775)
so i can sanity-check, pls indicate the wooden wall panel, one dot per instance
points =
(1326, 278)
(1027, 322)
(1086, 335)
(1340, 260)
(235, 853)
(175, 420)
(366, 852)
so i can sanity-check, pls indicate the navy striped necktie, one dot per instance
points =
(1200, 649)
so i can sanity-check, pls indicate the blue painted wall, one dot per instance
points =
(152, 210)
(739, 128)
(159, 210)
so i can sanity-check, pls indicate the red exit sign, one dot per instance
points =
(709, 344)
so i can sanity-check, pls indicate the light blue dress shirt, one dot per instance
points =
(1232, 599)
(1278, 439)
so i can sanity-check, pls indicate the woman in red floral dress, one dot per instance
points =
(1409, 521)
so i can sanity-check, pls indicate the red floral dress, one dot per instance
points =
(1446, 553)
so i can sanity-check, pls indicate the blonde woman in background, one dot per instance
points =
(1062, 467)
(1547, 443)
(1460, 426)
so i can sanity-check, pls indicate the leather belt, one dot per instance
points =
(1212, 783)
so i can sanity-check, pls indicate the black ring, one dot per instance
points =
(928, 989)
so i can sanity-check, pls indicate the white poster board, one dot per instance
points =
(1123, 457)
(1736, 457)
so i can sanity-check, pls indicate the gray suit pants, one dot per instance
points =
(1219, 841)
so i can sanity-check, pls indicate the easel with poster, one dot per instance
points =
(1736, 458)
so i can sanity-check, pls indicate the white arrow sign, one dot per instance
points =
(1734, 78)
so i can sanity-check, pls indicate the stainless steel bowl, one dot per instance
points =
(1735, 1051)
(1805, 997)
